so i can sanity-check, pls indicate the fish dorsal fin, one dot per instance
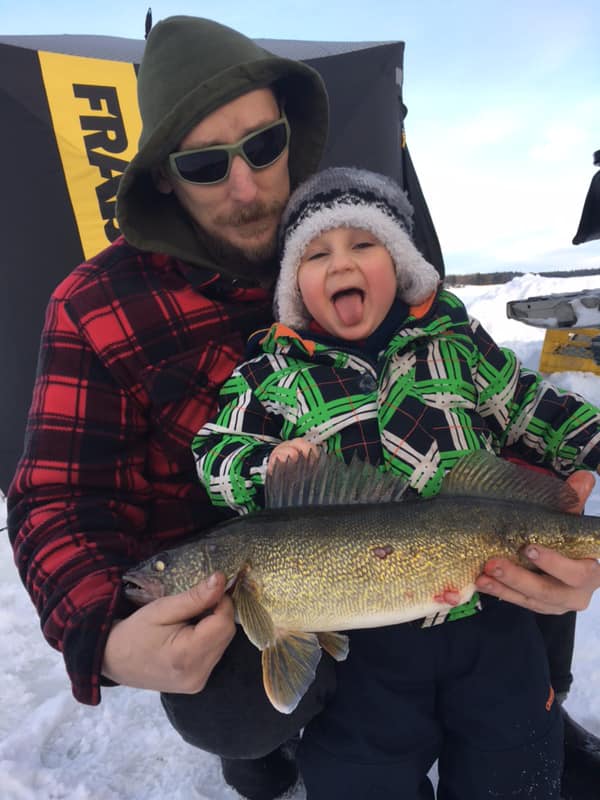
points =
(323, 479)
(482, 474)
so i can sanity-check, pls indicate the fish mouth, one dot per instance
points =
(142, 589)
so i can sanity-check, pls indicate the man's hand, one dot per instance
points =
(158, 648)
(565, 585)
(292, 448)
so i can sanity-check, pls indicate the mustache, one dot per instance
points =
(254, 212)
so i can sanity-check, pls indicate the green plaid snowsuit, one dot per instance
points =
(440, 388)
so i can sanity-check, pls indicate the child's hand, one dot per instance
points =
(291, 449)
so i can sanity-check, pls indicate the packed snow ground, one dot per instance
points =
(52, 748)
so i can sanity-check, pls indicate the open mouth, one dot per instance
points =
(141, 589)
(347, 293)
(348, 304)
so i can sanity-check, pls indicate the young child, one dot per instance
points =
(371, 356)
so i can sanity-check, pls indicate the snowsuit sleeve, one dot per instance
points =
(535, 419)
(233, 449)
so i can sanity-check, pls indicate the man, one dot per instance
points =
(135, 346)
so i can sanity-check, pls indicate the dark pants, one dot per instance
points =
(232, 716)
(474, 694)
(558, 633)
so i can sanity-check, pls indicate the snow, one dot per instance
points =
(54, 748)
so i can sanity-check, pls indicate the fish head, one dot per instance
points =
(168, 572)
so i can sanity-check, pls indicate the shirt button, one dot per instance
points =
(367, 383)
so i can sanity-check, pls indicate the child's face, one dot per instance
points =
(347, 282)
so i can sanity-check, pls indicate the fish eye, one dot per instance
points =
(160, 563)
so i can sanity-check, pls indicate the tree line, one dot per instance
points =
(489, 278)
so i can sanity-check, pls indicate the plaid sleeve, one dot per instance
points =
(233, 449)
(539, 421)
(133, 350)
(77, 501)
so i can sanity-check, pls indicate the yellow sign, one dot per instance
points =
(94, 110)
(569, 350)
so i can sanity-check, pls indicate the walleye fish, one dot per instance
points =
(340, 547)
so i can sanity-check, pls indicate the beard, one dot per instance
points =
(255, 264)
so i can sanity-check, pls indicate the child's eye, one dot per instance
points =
(316, 255)
(363, 245)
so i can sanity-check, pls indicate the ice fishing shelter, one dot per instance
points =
(69, 126)
(567, 346)
(589, 224)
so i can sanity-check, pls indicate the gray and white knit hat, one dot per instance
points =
(354, 198)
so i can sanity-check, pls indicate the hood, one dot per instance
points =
(191, 67)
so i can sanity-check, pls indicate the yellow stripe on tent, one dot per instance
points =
(96, 123)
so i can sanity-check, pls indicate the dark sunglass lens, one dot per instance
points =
(207, 167)
(266, 146)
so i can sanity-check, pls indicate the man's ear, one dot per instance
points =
(162, 180)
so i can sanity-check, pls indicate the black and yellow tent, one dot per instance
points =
(70, 125)
(589, 224)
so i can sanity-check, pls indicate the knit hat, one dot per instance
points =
(346, 197)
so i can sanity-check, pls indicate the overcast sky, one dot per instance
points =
(503, 104)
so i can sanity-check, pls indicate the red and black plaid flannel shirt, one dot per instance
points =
(134, 348)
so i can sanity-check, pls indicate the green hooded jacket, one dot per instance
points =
(191, 67)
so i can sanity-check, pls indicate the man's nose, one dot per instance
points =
(242, 183)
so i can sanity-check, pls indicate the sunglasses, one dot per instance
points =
(208, 165)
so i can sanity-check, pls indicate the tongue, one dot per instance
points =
(349, 306)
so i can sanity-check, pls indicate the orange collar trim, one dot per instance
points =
(419, 311)
(278, 330)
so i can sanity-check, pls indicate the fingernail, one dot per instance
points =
(532, 553)
(497, 572)
(486, 585)
(212, 581)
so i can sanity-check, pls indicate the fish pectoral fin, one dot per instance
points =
(289, 666)
(336, 644)
(253, 616)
